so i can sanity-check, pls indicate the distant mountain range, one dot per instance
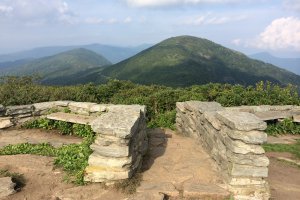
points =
(178, 62)
(113, 53)
(291, 64)
(187, 60)
(67, 68)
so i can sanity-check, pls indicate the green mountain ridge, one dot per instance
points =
(70, 67)
(187, 60)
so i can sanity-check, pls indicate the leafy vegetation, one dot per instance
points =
(160, 100)
(291, 148)
(185, 61)
(287, 126)
(72, 158)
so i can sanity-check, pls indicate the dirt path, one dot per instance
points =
(35, 136)
(178, 167)
(46, 183)
(284, 179)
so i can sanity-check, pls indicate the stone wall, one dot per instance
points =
(121, 139)
(233, 138)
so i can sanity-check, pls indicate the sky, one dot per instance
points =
(249, 26)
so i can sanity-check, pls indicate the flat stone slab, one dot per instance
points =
(203, 106)
(296, 118)
(6, 187)
(283, 139)
(272, 115)
(5, 122)
(200, 191)
(158, 188)
(73, 118)
(148, 196)
(120, 122)
(242, 121)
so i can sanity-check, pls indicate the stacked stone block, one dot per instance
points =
(120, 144)
(121, 139)
(233, 139)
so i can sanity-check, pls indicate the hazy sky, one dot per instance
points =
(246, 25)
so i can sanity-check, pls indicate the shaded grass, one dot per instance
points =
(291, 148)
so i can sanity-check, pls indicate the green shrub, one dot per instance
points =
(287, 126)
(166, 119)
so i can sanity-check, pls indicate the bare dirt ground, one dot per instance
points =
(35, 136)
(284, 178)
(173, 161)
(44, 182)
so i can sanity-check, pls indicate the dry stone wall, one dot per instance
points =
(121, 139)
(233, 139)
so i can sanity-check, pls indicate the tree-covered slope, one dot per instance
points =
(71, 67)
(186, 60)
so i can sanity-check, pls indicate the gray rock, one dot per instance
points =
(122, 124)
(62, 103)
(246, 170)
(251, 137)
(203, 106)
(271, 115)
(246, 181)
(97, 160)
(158, 187)
(99, 108)
(38, 107)
(242, 121)
(6, 187)
(195, 190)
(19, 110)
(240, 147)
(211, 117)
(81, 107)
(147, 196)
(101, 174)
(112, 150)
(5, 122)
(180, 107)
(248, 159)
(70, 117)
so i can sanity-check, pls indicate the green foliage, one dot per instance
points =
(158, 99)
(70, 67)
(72, 158)
(185, 61)
(165, 119)
(291, 148)
(287, 126)
(65, 128)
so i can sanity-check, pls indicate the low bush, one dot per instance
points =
(287, 126)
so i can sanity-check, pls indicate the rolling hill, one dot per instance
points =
(186, 60)
(112, 53)
(71, 67)
(291, 64)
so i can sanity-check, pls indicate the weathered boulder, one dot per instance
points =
(19, 110)
(242, 121)
(5, 122)
(6, 187)
(81, 107)
(247, 170)
(251, 137)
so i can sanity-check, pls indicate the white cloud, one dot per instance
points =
(158, 3)
(5, 9)
(292, 5)
(37, 11)
(95, 20)
(211, 19)
(282, 33)
(236, 41)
